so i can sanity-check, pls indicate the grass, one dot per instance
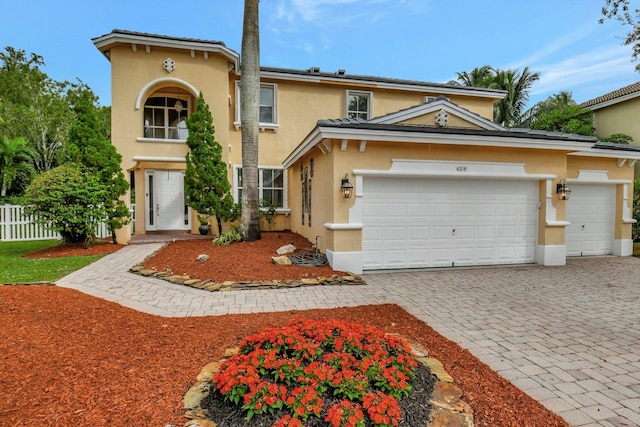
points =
(636, 249)
(16, 269)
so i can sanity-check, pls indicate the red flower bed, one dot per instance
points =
(345, 374)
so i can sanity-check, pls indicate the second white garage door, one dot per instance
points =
(590, 211)
(417, 222)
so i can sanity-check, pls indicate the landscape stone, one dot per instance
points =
(206, 374)
(200, 423)
(286, 249)
(444, 418)
(203, 257)
(195, 395)
(281, 260)
(445, 395)
(436, 368)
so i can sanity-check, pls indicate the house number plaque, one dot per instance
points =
(461, 169)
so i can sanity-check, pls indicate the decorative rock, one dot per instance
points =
(231, 351)
(191, 282)
(436, 369)
(281, 260)
(444, 418)
(445, 395)
(309, 281)
(206, 374)
(203, 257)
(195, 395)
(200, 423)
(286, 249)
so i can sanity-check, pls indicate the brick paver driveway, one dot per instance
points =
(569, 336)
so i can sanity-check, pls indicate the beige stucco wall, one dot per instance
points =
(329, 207)
(620, 118)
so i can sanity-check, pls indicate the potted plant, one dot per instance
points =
(204, 225)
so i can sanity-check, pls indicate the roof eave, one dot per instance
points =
(103, 43)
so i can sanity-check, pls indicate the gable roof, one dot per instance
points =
(389, 128)
(620, 95)
(439, 104)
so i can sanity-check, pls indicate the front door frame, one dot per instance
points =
(151, 206)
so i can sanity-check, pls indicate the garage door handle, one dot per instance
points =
(583, 226)
(453, 231)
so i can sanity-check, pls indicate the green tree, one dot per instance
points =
(508, 110)
(68, 200)
(516, 83)
(249, 106)
(89, 146)
(556, 101)
(33, 106)
(206, 184)
(478, 77)
(567, 119)
(620, 11)
(15, 162)
(617, 138)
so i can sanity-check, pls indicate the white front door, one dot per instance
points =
(590, 211)
(418, 222)
(164, 201)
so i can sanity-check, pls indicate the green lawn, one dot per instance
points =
(16, 269)
(636, 249)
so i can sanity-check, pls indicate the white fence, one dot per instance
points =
(15, 226)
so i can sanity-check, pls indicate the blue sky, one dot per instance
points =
(428, 40)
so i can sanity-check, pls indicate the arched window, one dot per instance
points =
(165, 117)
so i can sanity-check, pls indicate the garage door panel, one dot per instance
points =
(449, 222)
(590, 212)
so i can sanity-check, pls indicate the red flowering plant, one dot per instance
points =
(346, 374)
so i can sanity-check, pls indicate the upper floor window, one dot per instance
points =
(271, 184)
(268, 116)
(165, 117)
(359, 105)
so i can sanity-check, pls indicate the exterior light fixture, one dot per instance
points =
(178, 106)
(346, 188)
(563, 191)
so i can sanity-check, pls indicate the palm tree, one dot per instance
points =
(508, 111)
(478, 77)
(15, 159)
(249, 105)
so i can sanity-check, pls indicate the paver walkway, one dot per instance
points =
(568, 336)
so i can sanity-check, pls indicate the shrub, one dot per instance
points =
(228, 237)
(69, 200)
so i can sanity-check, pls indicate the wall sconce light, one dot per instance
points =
(563, 191)
(346, 188)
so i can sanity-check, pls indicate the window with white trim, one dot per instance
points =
(359, 105)
(271, 185)
(268, 114)
(165, 117)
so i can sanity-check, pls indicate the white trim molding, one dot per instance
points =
(346, 261)
(145, 90)
(623, 247)
(551, 255)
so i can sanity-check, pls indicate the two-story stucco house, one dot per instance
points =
(617, 112)
(434, 181)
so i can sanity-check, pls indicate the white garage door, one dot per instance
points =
(417, 222)
(590, 210)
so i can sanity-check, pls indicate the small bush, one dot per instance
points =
(228, 237)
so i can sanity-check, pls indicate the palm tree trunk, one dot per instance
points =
(249, 106)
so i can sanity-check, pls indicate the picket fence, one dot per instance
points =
(16, 226)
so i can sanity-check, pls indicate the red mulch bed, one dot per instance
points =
(243, 261)
(74, 249)
(68, 359)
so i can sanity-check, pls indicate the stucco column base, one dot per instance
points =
(551, 255)
(350, 262)
(123, 235)
(623, 247)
